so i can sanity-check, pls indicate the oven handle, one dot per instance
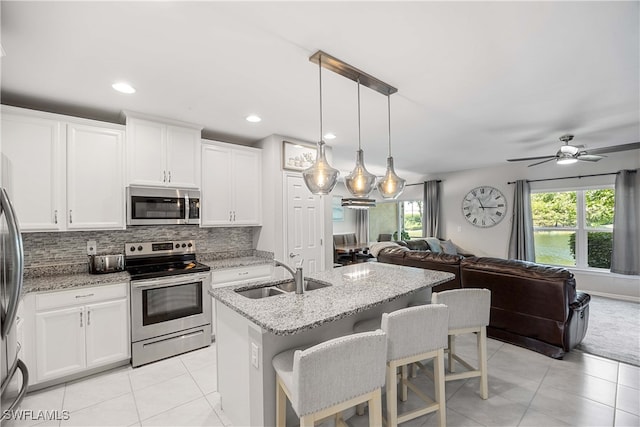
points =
(173, 280)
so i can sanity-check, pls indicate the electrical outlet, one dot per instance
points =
(255, 351)
(92, 247)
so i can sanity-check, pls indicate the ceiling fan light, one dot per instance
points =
(360, 182)
(320, 178)
(569, 149)
(391, 185)
(566, 160)
(358, 203)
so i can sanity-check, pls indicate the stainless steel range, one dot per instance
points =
(170, 307)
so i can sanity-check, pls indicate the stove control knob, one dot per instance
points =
(190, 244)
(132, 248)
(177, 245)
(184, 245)
(140, 248)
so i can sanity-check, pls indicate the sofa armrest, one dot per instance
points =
(581, 301)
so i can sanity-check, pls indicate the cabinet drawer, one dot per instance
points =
(79, 296)
(241, 273)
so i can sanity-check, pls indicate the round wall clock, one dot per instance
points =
(484, 206)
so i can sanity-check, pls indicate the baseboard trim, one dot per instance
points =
(614, 296)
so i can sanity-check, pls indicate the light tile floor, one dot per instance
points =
(525, 389)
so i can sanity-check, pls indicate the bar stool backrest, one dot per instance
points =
(415, 330)
(467, 307)
(337, 370)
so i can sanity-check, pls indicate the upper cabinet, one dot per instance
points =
(231, 185)
(63, 173)
(162, 154)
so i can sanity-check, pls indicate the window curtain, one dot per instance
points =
(625, 257)
(521, 244)
(362, 225)
(431, 207)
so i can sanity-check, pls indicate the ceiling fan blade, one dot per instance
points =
(590, 157)
(544, 161)
(531, 158)
(614, 148)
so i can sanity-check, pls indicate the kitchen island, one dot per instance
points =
(251, 331)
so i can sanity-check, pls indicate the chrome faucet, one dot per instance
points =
(297, 275)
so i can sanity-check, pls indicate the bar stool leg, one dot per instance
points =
(404, 371)
(360, 409)
(482, 355)
(375, 409)
(281, 405)
(452, 352)
(307, 421)
(392, 395)
(438, 379)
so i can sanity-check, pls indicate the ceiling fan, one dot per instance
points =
(568, 153)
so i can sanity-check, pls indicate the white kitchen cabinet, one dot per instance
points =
(231, 185)
(80, 329)
(63, 173)
(95, 178)
(162, 154)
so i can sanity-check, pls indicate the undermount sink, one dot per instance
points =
(309, 285)
(258, 293)
(288, 286)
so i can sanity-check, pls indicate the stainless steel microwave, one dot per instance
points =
(162, 206)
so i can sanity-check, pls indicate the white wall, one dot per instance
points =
(349, 223)
(494, 241)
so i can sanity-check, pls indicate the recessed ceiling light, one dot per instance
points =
(123, 87)
(253, 118)
(329, 135)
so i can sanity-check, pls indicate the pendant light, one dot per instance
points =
(360, 182)
(391, 186)
(320, 178)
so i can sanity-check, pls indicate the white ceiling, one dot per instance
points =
(478, 82)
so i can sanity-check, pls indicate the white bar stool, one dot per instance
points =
(330, 377)
(414, 334)
(469, 312)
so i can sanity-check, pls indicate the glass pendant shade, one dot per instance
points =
(391, 185)
(320, 178)
(360, 182)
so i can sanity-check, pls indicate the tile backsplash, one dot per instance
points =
(47, 249)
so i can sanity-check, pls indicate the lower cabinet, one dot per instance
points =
(80, 330)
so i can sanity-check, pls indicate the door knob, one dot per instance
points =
(292, 255)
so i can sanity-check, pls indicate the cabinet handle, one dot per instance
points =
(84, 296)
(55, 216)
(169, 176)
(164, 174)
(70, 216)
(88, 317)
(81, 319)
(230, 216)
(234, 216)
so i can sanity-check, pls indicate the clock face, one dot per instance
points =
(484, 206)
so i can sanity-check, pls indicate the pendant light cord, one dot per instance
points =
(359, 148)
(389, 118)
(320, 79)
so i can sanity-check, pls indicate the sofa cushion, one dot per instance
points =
(434, 244)
(449, 248)
(417, 245)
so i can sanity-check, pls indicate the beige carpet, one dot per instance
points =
(613, 331)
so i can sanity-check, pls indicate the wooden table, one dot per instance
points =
(352, 250)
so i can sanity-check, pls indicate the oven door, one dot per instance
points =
(169, 304)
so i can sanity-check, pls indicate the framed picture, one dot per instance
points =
(336, 208)
(297, 157)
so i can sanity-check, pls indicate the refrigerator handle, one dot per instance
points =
(23, 389)
(14, 283)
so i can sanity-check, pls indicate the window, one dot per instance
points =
(389, 217)
(574, 228)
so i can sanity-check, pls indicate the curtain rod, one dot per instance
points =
(568, 177)
(421, 183)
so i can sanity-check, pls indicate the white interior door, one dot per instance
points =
(304, 225)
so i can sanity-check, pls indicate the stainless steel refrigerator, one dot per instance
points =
(15, 376)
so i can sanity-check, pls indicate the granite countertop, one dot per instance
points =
(354, 289)
(56, 278)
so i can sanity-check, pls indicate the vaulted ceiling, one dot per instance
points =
(479, 82)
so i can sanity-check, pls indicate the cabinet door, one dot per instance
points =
(33, 170)
(216, 186)
(107, 332)
(146, 152)
(60, 343)
(247, 195)
(95, 178)
(183, 157)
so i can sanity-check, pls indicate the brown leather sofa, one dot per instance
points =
(532, 305)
